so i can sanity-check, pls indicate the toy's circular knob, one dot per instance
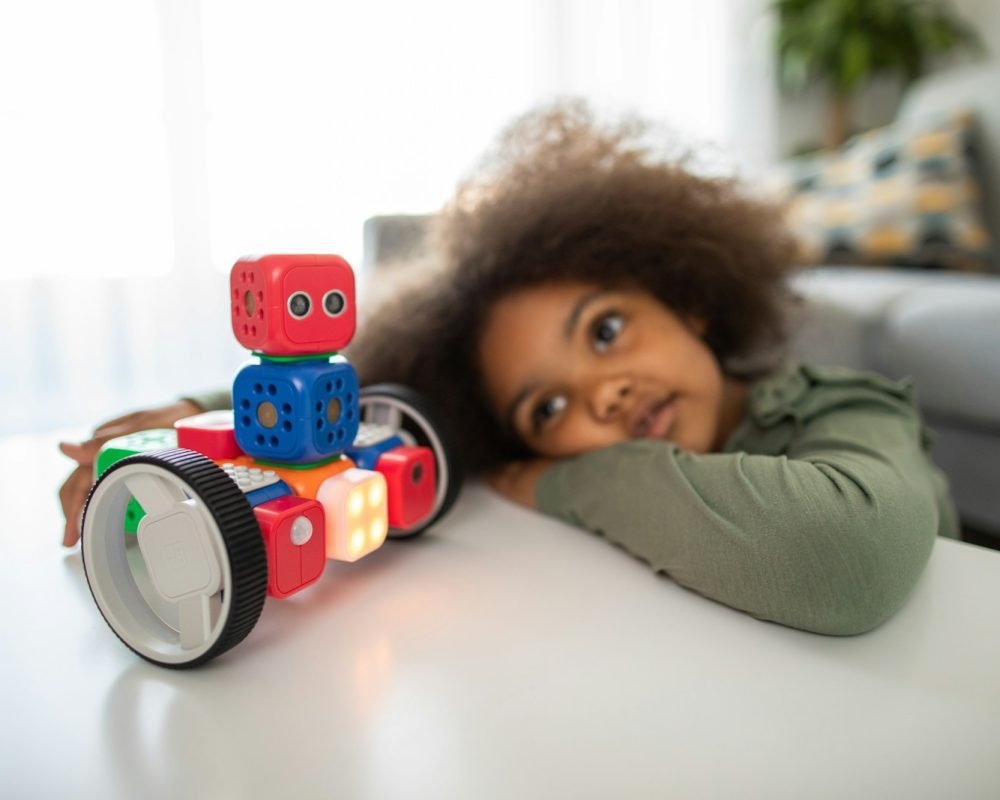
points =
(302, 531)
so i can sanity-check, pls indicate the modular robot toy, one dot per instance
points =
(187, 531)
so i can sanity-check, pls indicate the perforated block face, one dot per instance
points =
(334, 409)
(297, 412)
(249, 297)
(288, 305)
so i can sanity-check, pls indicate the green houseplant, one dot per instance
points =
(844, 43)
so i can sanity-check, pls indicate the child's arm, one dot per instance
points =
(829, 531)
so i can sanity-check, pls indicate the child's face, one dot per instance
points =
(572, 368)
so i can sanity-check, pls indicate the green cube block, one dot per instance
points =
(133, 513)
(114, 450)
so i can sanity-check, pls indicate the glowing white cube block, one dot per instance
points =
(357, 519)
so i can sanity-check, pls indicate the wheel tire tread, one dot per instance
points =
(240, 535)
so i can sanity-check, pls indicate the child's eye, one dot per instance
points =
(606, 329)
(546, 410)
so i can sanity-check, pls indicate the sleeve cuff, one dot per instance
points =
(219, 400)
(546, 491)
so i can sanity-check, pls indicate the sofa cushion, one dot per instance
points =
(899, 195)
(969, 457)
(947, 337)
(975, 86)
(845, 310)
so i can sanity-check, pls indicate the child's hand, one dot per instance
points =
(73, 493)
(517, 480)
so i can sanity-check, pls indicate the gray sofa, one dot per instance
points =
(942, 329)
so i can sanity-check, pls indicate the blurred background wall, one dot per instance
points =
(146, 144)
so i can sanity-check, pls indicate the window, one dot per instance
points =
(85, 186)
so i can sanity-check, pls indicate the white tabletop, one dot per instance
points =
(502, 655)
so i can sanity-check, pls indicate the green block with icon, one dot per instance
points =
(114, 450)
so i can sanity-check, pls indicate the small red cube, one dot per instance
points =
(295, 540)
(210, 433)
(285, 305)
(411, 482)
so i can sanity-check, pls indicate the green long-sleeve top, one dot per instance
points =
(820, 513)
(217, 400)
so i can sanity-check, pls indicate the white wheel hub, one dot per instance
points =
(168, 597)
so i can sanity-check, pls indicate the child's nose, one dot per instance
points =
(612, 397)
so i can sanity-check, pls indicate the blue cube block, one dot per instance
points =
(296, 412)
(268, 493)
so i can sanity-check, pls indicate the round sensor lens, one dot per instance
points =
(334, 303)
(267, 414)
(299, 305)
(333, 411)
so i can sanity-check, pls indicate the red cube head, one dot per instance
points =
(411, 484)
(292, 305)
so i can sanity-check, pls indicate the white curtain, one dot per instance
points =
(145, 144)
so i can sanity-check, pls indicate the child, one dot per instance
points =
(601, 330)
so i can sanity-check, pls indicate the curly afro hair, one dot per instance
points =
(562, 198)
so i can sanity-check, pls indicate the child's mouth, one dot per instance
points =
(657, 420)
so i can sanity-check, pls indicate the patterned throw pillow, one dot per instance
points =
(890, 197)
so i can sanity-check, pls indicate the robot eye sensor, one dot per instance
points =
(334, 303)
(299, 305)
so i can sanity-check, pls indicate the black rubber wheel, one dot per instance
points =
(192, 584)
(419, 423)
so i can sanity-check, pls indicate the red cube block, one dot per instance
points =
(411, 482)
(210, 433)
(294, 534)
(286, 305)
